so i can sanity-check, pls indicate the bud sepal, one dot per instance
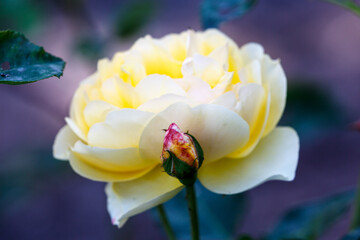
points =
(182, 155)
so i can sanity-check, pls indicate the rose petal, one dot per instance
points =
(161, 103)
(87, 170)
(130, 198)
(155, 85)
(250, 52)
(274, 81)
(122, 160)
(218, 136)
(156, 59)
(96, 111)
(275, 158)
(121, 129)
(74, 127)
(64, 140)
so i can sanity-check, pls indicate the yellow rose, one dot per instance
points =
(229, 98)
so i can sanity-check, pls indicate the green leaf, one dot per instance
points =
(353, 235)
(23, 62)
(133, 16)
(347, 4)
(218, 214)
(214, 12)
(309, 221)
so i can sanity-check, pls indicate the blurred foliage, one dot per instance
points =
(24, 62)
(355, 223)
(311, 220)
(311, 110)
(24, 174)
(133, 16)
(218, 214)
(350, 5)
(353, 235)
(214, 12)
(90, 47)
(244, 237)
(21, 15)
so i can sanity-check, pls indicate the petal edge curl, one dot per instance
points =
(133, 197)
(275, 158)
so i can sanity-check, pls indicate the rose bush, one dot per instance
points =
(229, 98)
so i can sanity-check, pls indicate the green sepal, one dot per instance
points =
(176, 168)
(199, 151)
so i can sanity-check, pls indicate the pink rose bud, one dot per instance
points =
(182, 155)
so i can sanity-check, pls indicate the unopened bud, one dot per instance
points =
(182, 155)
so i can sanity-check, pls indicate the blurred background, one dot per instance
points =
(319, 47)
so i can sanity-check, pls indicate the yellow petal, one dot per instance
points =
(274, 158)
(218, 136)
(156, 59)
(121, 129)
(126, 199)
(122, 160)
(75, 128)
(84, 167)
(64, 140)
(274, 80)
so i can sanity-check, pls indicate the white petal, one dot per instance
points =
(121, 129)
(130, 198)
(227, 100)
(251, 51)
(221, 55)
(161, 103)
(96, 111)
(218, 130)
(274, 158)
(64, 140)
(200, 92)
(155, 85)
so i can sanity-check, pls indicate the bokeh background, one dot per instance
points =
(319, 47)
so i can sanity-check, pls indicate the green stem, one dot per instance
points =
(191, 199)
(165, 222)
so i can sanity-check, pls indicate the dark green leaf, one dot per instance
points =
(23, 62)
(133, 16)
(218, 214)
(214, 12)
(353, 235)
(309, 221)
(347, 4)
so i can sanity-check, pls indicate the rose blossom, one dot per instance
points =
(229, 98)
